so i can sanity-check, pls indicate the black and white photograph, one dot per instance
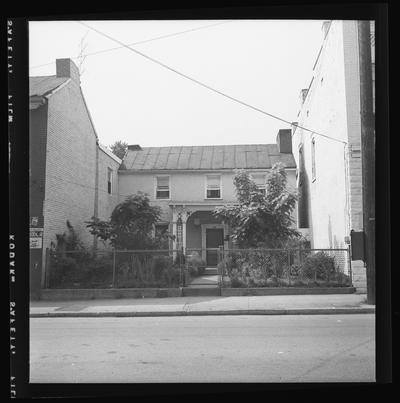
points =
(201, 201)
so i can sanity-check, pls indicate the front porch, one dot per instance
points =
(198, 232)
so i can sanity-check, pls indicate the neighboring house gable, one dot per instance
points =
(66, 163)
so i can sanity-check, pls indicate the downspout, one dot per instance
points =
(96, 193)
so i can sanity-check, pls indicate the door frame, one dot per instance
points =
(204, 227)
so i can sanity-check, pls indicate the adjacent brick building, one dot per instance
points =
(69, 169)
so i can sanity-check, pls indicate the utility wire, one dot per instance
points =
(138, 43)
(207, 86)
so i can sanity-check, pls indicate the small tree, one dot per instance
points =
(261, 220)
(130, 225)
(119, 148)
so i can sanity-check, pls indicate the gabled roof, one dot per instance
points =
(253, 156)
(40, 86)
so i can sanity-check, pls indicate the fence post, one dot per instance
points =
(47, 268)
(350, 270)
(220, 266)
(182, 261)
(113, 278)
(289, 265)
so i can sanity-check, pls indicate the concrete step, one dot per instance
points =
(201, 291)
(211, 271)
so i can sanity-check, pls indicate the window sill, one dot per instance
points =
(213, 198)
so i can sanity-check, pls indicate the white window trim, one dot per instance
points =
(220, 187)
(155, 186)
(264, 187)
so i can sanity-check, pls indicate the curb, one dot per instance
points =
(310, 311)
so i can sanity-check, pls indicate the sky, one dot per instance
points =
(264, 63)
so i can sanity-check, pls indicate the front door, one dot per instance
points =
(214, 239)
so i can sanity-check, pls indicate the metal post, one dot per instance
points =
(289, 265)
(114, 269)
(350, 271)
(47, 268)
(367, 152)
(220, 266)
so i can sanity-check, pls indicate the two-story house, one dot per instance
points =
(188, 182)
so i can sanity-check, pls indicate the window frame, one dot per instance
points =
(260, 187)
(206, 186)
(156, 187)
(109, 180)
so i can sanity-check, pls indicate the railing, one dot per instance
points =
(116, 269)
(285, 267)
(165, 268)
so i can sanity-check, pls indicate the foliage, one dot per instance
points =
(69, 240)
(261, 220)
(319, 266)
(119, 148)
(257, 268)
(146, 270)
(130, 225)
(196, 265)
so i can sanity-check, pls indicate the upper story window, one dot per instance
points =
(213, 187)
(313, 171)
(109, 180)
(162, 187)
(260, 180)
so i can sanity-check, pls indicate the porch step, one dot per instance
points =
(201, 291)
(209, 271)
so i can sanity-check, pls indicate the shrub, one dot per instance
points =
(99, 270)
(196, 265)
(319, 266)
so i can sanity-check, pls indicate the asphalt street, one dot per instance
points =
(298, 348)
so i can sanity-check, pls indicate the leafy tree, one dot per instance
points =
(260, 220)
(130, 225)
(119, 148)
(68, 241)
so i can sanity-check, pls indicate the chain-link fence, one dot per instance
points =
(175, 268)
(115, 268)
(284, 267)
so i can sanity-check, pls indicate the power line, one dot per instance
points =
(207, 86)
(137, 43)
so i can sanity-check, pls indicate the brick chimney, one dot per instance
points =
(284, 141)
(67, 68)
(135, 147)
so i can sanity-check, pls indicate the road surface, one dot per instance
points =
(254, 348)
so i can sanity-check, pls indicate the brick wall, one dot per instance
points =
(70, 165)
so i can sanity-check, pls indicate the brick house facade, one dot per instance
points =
(68, 167)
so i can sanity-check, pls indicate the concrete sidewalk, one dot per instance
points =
(184, 306)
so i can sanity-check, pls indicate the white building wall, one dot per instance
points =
(332, 108)
(186, 187)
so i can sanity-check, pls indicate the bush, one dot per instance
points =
(319, 266)
(196, 265)
(99, 271)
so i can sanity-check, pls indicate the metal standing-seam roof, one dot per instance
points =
(253, 156)
(40, 86)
